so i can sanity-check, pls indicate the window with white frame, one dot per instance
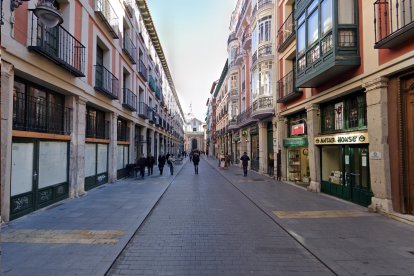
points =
(264, 31)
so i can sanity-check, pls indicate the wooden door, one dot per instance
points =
(408, 126)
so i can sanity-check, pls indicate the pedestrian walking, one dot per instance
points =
(142, 163)
(150, 164)
(245, 162)
(161, 163)
(170, 163)
(196, 160)
(191, 156)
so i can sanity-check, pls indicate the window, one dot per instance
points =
(265, 29)
(344, 115)
(313, 30)
(346, 14)
(326, 16)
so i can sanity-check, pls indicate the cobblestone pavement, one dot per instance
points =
(81, 236)
(204, 226)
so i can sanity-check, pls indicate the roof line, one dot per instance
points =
(222, 77)
(149, 25)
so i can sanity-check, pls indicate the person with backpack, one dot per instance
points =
(245, 162)
(196, 160)
(161, 163)
(142, 163)
(150, 164)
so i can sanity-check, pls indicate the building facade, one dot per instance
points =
(194, 134)
(342, 72)
(81, 101)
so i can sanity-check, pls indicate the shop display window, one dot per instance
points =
(332, 164)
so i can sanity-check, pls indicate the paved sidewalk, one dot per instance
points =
(343, 235)
(81, 236)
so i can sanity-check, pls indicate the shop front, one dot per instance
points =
(236, 140)
(345, 166)
(297, 160)
(254, 147)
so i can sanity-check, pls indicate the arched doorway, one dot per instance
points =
(193, 144)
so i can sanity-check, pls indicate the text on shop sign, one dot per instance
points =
(354, 138)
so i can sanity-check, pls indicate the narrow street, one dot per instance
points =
(204, 226)
(214, 223)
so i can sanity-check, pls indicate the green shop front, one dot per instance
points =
(254, 147)
(297, 159)
(345, 166)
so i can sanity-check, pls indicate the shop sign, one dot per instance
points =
(244, 132)
(349, 138)
(298, 129)
(254, 129)
(295, 142)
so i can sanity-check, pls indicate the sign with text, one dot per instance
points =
(297, 129)
(347, 138)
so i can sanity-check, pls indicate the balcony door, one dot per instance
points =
(99, 67)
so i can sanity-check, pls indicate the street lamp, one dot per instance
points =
(44, 10)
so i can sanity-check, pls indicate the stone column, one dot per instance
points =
(77, 146)
(313, 126)
(282, 134)
(144, 137)
(132, 145)
(113, 147)
(263, 147)
(6, 105)
(276, 144)
(157, 138)
(377, 121)
(249, 148)
(152, 135)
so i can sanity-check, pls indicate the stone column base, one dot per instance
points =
(380, 205)
(314, 187)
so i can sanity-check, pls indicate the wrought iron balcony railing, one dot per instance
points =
(108, 16)
(129, 48)
(393, 22)
(58, 45)
(37, 114)
(286, 89)
(245, 116)
(262, 3)
(143, 110)
(263, 103)
(158, 93)
(234, 92)
(96, 128)
(264, 50)
(129, 99)
(142, 70)
(106, 82)
(286, 33)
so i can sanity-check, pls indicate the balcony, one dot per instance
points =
(263, 4)
(233, 124)
(106, 82)
(247, 41)
(58, 45)
(128, 47)
(286, 33)
(232, 37)
(143, 110)
(263, 107)
(151, 82)
(129, 7)
(264, 52)
(245, 118)
(98, 129)
(234, 93)
(36, 114)
(108, 16)
(233, 65)
(328, 57)
(286, 89)
(129, 99)
(240, 58)
(142, 70)
(393, 23)
(157, 119)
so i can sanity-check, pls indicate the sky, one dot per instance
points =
(193, 35)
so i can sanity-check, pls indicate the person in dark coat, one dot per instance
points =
(161, 163)
(142, 163)
(196, 160)
(150, 164)
(245, 162)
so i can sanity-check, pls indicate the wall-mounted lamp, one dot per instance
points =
(44, 10)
